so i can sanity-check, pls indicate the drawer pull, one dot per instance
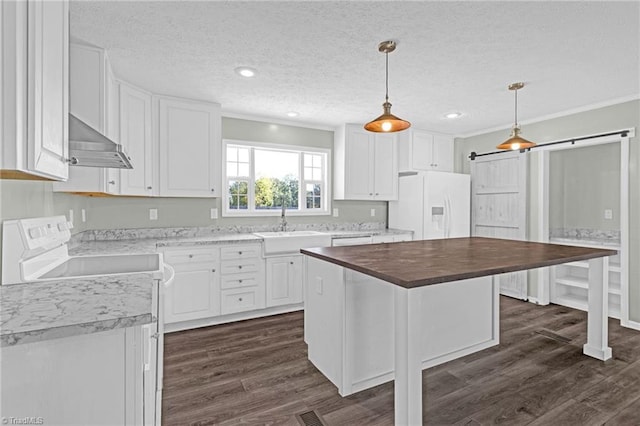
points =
(213, 270)
(240, 253)
(239, 266)
(190, 256)
(240, 281)
(239, 299)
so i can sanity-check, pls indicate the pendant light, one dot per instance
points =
(515, 141)
(387, 122)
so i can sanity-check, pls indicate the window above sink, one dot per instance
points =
(261, 177)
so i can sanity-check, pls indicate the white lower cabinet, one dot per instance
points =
(104, 378)
(195, 291)
(284, 280)
(242, 275)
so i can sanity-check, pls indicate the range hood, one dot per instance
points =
(90, 148)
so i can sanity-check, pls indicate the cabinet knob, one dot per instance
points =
(291, 263)
(239, 299)
(377, 193)
(112, 182)
(371, 193)
(240, 281)
(148, 187)
(240, 253)
(213, 190)
(190, 256)
(239, 266)
(213, 270)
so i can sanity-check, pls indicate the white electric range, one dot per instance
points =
(36, 249)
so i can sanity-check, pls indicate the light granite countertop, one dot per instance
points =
(39, 311)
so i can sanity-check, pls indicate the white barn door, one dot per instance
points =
(499, 207)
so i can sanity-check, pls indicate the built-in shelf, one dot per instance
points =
(569, 282)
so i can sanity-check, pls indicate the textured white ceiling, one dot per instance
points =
(320, 58)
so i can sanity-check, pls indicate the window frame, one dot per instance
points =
(326, 183)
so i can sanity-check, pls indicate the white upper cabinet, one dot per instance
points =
(420, 150)
(189, 141)
(136, 138)
(90, 100)
(35, 89)
(174, 144)
(365, 164)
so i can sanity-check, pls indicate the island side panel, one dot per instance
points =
(324, 317)
(456, 319)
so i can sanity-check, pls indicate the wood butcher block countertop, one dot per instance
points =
(425, 262)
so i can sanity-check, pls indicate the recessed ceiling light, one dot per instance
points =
(453, 115)
(292, 114)
(245, 72)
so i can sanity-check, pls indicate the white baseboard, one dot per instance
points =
(631, 324)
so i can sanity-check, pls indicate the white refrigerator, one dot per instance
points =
(432, 205)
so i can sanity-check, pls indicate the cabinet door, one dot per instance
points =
(284, 280)
(421, 150)
(87, 101)
(48, 88)
(385, 167)
(189, 141)
(135, 136)
(193, 294)
(358, 164)
(442, 153)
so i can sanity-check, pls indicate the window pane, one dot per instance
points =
(232, 153)
(243, 169)
(232, 169)
(308, 173)
(317, 161)
(243, 155)
(317, 174)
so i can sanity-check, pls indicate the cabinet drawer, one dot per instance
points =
(239, 281)
(239, 266)
(240, 252)
(190, 256)
(242, 300)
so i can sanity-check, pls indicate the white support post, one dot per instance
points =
(598, 314)
(408, 365)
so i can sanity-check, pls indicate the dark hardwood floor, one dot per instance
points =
(256, 372)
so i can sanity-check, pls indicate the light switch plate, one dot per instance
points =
(608, 214)
(70, 215)
(336, 213)
(214, 213)
(83, 213)
(153, 214)
(373, 212)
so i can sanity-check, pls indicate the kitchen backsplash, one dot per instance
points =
(583, 234)
(192, 232)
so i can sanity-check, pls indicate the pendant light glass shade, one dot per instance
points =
(515, 141)
(387, 122)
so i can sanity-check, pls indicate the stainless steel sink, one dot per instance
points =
(281, 242)
(105, 265)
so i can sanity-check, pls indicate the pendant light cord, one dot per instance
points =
(516, 109)
(386, 95)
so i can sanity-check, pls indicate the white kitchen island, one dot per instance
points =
(387, 311)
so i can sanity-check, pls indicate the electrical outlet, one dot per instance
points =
(83, 213)
(71, 215)
(608, 214)
(373, 212)
(153, 214)
(214, 213)
(336, 213)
